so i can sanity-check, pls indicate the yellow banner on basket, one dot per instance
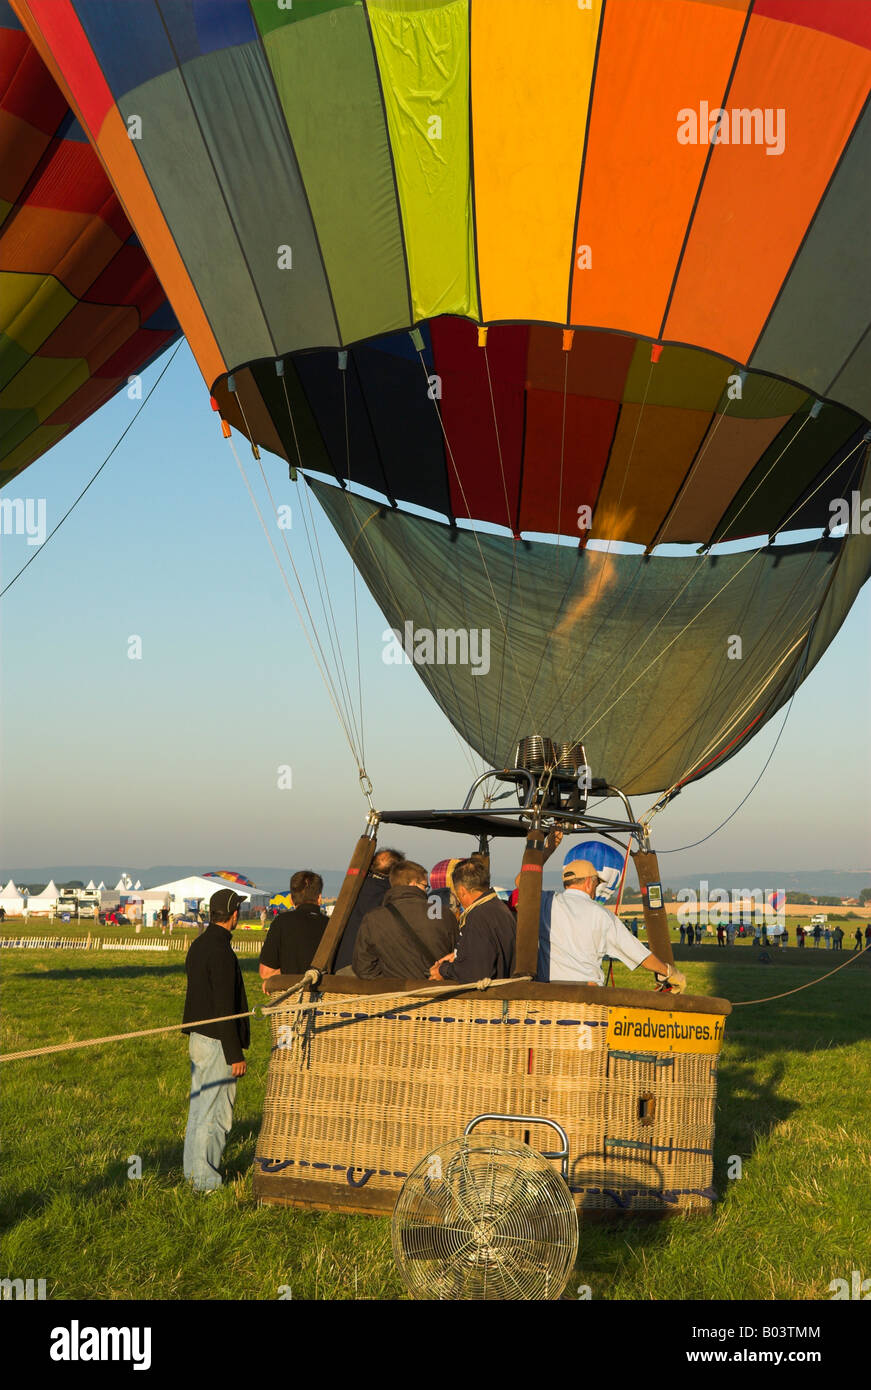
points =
(648, 1030)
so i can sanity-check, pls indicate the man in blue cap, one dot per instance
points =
(576, 932)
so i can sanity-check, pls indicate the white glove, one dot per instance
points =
(675, 979)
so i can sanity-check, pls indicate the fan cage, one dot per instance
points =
(482, 1217)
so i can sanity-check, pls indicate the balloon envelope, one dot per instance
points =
(335, 196)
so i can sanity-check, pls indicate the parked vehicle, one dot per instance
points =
(116, 917)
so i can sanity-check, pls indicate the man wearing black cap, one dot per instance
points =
(215, 990)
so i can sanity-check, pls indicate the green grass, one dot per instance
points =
(794, 1104)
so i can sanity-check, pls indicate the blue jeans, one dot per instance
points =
(213, 1095)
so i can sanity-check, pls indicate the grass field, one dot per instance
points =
(794, 1105)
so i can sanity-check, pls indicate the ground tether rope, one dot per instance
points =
(432, 990)
(742, 1003)
(121, 436)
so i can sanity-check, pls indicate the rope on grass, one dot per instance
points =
(742, 1003)
(431, 991)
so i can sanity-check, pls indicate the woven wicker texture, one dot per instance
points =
(357, 1097)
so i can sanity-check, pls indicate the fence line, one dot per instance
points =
(241, 946)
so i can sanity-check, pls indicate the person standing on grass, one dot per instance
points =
(215, 989)
(839, 939)
(858, 937)
(868, 937)
(827, 937)
(683, 931)
(817, 933)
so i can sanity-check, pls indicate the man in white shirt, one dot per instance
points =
(576, 932)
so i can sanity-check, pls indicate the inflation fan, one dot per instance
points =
(486, 1217)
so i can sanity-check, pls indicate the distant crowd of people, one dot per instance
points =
(832, 937)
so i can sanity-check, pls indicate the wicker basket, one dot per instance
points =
(358, 1093)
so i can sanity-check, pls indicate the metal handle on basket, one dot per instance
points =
(562, 1154)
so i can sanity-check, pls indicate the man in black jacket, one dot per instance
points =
(403, 936)
(295, 936)
(488, 930)
(215, 989)
(372, 893)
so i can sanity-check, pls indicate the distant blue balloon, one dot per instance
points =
(600, 855)
(605, 858)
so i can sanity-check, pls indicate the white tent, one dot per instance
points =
(195, 886)
(44, 902)
(11, 900)
(92, 887)
(137, 885)
(101, 887)
(124, 884)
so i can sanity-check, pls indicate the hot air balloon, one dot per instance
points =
(81, 309)
(230, 876)
(591, 277)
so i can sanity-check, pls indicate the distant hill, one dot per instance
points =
(838, 883)
(270, 878)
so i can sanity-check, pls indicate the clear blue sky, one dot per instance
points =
(174, 758)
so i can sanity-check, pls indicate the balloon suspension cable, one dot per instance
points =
(773, 671)
(353, 566)
(775, 625)
(622, 882)
(464, 741)
(127, 428)
(314, 645)
(561, 689)
(660, 805)
(562, 455)
(509, 520)
(323, 588)
(753, 556)
(693, 574)
(474, 532)
(710, 436)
